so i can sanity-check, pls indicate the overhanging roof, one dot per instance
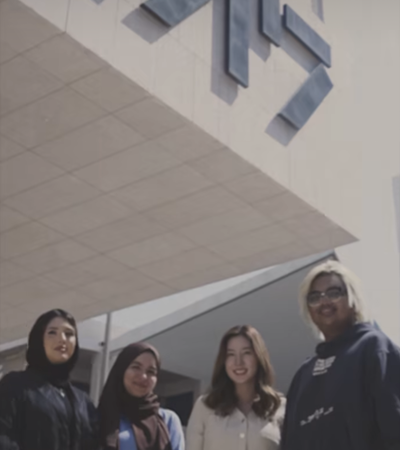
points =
(153, 318)
(224, 292)
(109, 198)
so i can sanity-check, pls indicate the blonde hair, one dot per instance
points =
(349, 279)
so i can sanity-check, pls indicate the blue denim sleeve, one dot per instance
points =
(175, 430)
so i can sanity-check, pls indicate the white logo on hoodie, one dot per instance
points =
(317, 415)
(323, 365)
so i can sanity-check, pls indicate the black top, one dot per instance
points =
(348, 396)
(36, 415)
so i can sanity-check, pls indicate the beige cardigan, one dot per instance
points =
(207, 431)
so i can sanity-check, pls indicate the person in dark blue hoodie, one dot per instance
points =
(347, 397)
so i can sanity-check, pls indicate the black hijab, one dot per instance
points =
(56, 374)
(149, 428)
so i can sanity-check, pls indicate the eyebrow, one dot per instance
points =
(57, 328)
(141, 365)
(327, 289)
(244, 348)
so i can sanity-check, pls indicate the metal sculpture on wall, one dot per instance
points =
(306, 35)
(270, 21)
(238, 41)
(311, 94)
(306, 100)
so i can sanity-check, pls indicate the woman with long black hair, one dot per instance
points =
(130, 413)
(39, 408)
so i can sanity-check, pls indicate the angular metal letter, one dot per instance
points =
(238, 41)
(307, 36)
(172, 12)
(307, 99)
(270, 21)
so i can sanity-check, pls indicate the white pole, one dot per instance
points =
(106, 352)
(97, 359)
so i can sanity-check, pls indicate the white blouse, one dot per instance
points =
(208, 431)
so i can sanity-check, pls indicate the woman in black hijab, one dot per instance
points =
(39, 408)
(130, 414)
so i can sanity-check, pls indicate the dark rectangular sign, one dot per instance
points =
(238, 41)
(270, 20)
(172, 12)
(308, 98)
(307, 36)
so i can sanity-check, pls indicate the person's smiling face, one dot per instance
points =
(59, 341)
(140, 377)
(241, 362)
(328, 305)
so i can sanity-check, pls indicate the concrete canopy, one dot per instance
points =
(109, 198)
(188, 338)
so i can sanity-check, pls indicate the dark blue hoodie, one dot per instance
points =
(348, 396)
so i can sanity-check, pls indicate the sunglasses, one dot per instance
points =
(333, 294)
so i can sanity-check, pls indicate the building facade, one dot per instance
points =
(149, 150)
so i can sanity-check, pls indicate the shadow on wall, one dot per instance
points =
(259, 44)
(222, 85)
(281, 130)
(145, 26)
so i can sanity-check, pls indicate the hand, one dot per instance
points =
(112, 440)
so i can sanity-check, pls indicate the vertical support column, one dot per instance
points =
(112, 358)
(106, 352)
(95, 378)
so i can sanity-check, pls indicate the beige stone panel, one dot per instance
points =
(110, 89)
(54, 256)
(26, 238)
(165, 187)
(22, 82)
(87, 216)
(64, 58)
(25, 171)
(49, 118)
(180, 265)
(195, 207)
(89, 144)
(152, 250)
